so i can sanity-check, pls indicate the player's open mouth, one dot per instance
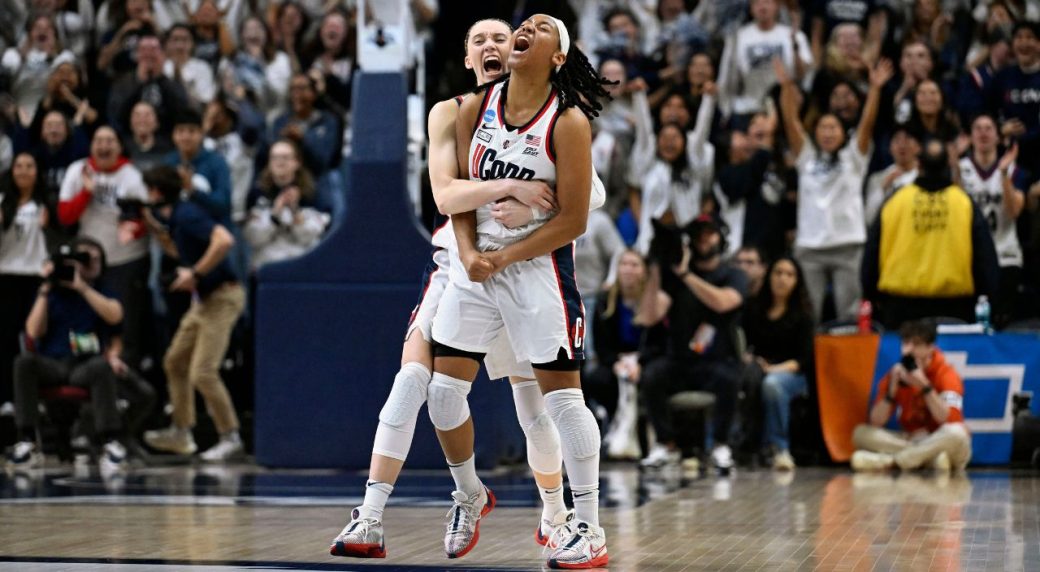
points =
(521, 43)
(492, 64)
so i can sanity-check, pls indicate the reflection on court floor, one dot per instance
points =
(246, 517)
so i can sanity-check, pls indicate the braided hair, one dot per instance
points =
(580, 85)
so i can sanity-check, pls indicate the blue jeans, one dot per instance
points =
(778, 389)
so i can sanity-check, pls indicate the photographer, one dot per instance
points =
(928, 394)
(75, 326)
(194, 356)
(704, 298)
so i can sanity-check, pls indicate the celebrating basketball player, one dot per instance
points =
(487, 46)
(521, 280)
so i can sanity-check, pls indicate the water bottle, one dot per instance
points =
(866, 311)
(982, 313)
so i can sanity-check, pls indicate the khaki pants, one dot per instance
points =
(912, 452)
(195, 355)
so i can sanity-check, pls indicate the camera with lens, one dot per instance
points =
(130, 209)
(666, 246)
(908, 362)
(64, 268)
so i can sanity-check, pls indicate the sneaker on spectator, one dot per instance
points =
(172, 440)
(871, 461)
(661, 456)
(24, 456)
(113, 456)
(584, 547)
(783, 461)
(722, 457)
(547, 528)
(464, 518)
(227, 449)
(362, 537)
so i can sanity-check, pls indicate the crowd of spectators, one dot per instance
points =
(782, 136)
(245, 102)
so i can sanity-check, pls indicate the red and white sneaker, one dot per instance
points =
(463, 530)
(585, 547)
(361, 538)
(547, 529)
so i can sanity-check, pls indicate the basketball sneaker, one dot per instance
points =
(546, 529)
(362, 537)
(783, 461)
(171, 440)
(24, 456)
(463, 529)
(661, 456)
(722, 458)
(584, 547)
(113, 457)
(226, 449)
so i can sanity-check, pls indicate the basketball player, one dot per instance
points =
(487, 44)
(521, 280)
(996, 187)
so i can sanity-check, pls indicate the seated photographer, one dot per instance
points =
(75, 327)
(705, 296)
(928, 394)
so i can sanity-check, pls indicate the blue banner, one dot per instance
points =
(994, 368)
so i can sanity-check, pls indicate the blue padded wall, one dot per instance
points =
(330, 324)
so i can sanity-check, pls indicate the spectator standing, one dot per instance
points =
(123, 26)
(779, 330)
(905, 148)
(207, 179)
(23, 250)
(283, 222)
(89, 196)
(1014, 95)
(220, 125)
(193, 359)
(927, 394)
(257, 70)
(194, 75)
(831, 171)
(997, 186)
(146, 146)
(60, 144)
(67, 94)
(212, 39)
(147, 83)
(316, 131)
(332, 55)
(746, 70)
(930, 252)
(29, 65)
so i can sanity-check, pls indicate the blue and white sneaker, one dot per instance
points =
(463, 530)
(24, 456)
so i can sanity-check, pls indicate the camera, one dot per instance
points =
(908, 362)
(64, 269)
(130, 209)
(666, 246)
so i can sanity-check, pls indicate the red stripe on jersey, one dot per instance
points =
(475, 162)
(549, 136)
(483, 108)
(566, 313)
(541, 112)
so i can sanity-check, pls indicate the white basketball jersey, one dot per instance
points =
(986, 189)
(500, 151)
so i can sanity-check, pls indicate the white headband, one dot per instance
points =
(565, 38)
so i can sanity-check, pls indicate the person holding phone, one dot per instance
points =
(928, 394)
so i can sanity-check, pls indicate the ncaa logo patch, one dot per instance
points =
(489, 116)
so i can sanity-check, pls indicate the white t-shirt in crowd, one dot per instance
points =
(986, 188)
(830, 197)
(23, 247)
(746, 72)
(196, 77)
(876, 194)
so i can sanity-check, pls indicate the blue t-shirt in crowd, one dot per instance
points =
(71, 321)
(191, 227)
(214, 169)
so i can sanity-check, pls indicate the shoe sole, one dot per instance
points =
(358, 550)
(488, 507)
(598, 562)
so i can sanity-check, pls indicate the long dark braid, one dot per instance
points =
(580, 85)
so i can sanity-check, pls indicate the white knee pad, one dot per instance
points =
(543, 441)
(579, 432)
(447, 401)
(397, 418)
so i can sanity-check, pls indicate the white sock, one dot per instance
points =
(580, 441)
(552, 502)
(376, 495)
(586, 502)
(465, 476)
